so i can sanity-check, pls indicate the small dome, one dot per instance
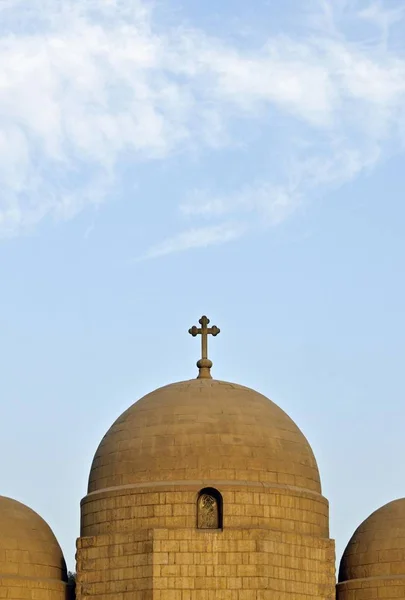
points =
(28, 548)
(204, 430)
(377, 548)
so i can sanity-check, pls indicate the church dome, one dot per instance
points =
(204, 430)
(28, 549)
(377, 547)
(205, 485)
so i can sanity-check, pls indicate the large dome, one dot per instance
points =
(377, 547)
(202, 487)
(31, 561)
(204, 430)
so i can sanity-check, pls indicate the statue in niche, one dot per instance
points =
(208, 512)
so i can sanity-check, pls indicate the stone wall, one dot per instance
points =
(273, 507)
(25, 588)
(388, 588)
(115, 566)
(191, 564)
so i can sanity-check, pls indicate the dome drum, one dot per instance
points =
(272, 507)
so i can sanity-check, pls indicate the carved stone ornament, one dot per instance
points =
(208, 517)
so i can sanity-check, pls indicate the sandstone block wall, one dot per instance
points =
(191, 564)
(387, 588)
(115, 566)
(142, 543)
(23, 588)
(373, 563)
(204, 429)
(274, 507)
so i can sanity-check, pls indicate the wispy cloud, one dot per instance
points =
(382, 17)
(273, 204)
(84, 85)
(199, 237)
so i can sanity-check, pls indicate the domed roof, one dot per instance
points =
(377, 547)
(204, 430)
(28, 548)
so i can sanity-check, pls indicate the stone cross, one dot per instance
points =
(204, 364)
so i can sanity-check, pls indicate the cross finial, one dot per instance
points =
(204, 364)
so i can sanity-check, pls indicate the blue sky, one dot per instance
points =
(161, 161)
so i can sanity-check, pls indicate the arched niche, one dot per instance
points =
(209, 509)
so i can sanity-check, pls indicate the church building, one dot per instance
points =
(204, 490)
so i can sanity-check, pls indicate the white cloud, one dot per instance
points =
(382, 17)
(264, 204)
(85, 84)
(282, 73)
(199, 237)
(273, 204)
